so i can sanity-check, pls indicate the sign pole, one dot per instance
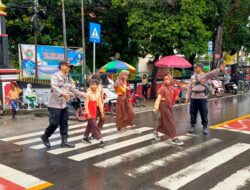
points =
(94, 57)
(36, 64)
(83, 47)
(64, 31)
(94, 37)
(209, 61)
(210, 51)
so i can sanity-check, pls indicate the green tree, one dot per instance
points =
(160, 26)
(115, 33)
(237, 28)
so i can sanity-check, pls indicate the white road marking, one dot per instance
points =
(20, 178)
(137, 153)
(37, 133)
(109, 148)
(82, 145)
(235, 181)
(148, 167)
(190, 173)
(54, 136)
(71, 139)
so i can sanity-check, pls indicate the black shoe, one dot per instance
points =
(191, 130)
(205, 131)
(45, 141)
(86, 140)
(101, 145)
(65, 143)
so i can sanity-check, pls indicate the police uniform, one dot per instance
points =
(57, 106)
(196, 92)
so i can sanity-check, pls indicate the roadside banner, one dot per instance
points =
(230, 59)
(48, 58)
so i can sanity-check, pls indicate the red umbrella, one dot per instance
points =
(173, 61)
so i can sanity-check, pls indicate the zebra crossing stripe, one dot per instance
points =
(190, 173)
(137, 153)
(106, 149)
(235, 181)
(55, 135)
(22, 179)
(37, 133)
(82, 145)
(146, 168)
(71, 139)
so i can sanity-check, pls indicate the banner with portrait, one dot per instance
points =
(48, 58)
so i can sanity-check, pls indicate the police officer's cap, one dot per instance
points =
(200, 65)
(65, 63)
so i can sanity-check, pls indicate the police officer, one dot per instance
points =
(197, 93)
(61, 86)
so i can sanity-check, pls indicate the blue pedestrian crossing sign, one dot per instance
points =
(94, 32)
(210, 47)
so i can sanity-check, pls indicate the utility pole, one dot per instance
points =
(35, 41)
(83, 47)
(64, 31)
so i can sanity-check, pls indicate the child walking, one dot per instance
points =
(124, 113)
(164, 103)
(92, 102)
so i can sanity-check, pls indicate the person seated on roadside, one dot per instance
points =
(13, 95)
(30, 96)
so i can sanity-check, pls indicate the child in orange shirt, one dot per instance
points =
(14, 96)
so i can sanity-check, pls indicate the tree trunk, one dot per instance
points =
(217, 45)
(154, 79)
(191, 59)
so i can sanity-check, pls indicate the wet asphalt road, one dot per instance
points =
(135, 161)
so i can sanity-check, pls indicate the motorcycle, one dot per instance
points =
(76, 108)
(110, 98)
(231, 87)
(135, 99)
(216, 88)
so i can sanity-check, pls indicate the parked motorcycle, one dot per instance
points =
(231, 87)
(110, 98)
(135, 99)
(216, 88)
(76, 108)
